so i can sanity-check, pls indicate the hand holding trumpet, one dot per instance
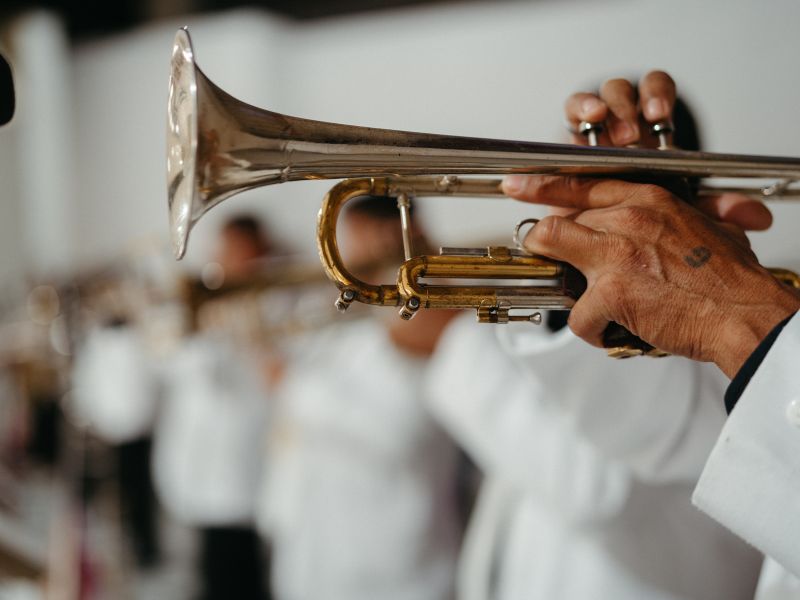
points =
(682, 278)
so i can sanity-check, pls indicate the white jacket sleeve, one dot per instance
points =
(751, 482)
(658, 416)
(494, 410)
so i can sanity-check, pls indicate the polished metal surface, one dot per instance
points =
(663, 130)
(515, 237)
(540, 282)
(404, 206)
(218, 146)
(590, 131)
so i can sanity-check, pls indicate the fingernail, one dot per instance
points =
(625, 133)
(513, 184)
(591, 105)
(656, 108)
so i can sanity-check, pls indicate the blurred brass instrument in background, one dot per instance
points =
(218, 146)
(277, 300)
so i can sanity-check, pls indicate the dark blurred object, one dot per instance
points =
(138, 500)
(47, 419)
(232, 564)
(378, 207)
(7, 101)
(687, 133)
(315, 9)
(123, 14)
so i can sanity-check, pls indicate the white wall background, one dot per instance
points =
(498, 69)
(36, 151)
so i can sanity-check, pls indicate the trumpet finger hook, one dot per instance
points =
(516, 237)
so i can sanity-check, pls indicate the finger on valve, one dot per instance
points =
(623, 118)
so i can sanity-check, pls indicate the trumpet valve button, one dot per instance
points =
(663, 130)
(590, 131)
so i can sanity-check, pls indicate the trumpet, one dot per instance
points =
(218, 146)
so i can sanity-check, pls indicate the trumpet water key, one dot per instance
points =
(218, 146)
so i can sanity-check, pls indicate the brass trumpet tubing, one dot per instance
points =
(252, 147)
(218, 146)
(409, 291)
(328, 247)
(475, 296)
(505, 267)
(480, 267)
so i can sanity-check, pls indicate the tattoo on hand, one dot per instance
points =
(698, 257)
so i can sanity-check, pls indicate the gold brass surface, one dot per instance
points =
(493, 302)
(786, 277)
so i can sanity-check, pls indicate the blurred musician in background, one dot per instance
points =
(115, 394)
(557, 517)
(211, 435)
(360, 500)
(243, 246)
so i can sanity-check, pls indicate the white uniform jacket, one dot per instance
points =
(115, 390)
(209, 440)
(359, 498)
(556, 518)
(751, 482)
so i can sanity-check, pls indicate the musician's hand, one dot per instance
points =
(672, 275)
(627, 111)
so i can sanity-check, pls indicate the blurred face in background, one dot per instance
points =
(240, 248)
(372, 249)
(371, 246)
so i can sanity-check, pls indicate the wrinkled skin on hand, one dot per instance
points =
(672, 275)
(682, 278)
